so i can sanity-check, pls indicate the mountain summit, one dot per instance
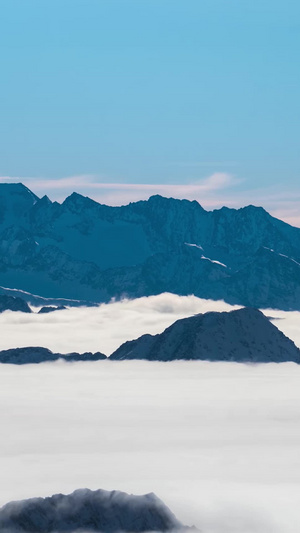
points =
(84, 250)
(245, 335)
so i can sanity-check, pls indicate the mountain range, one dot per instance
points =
(89, 511)
(83, 250)
(244, 335)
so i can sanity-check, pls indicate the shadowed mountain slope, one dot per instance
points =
(245, 335)
(82, 250)
(12, 303)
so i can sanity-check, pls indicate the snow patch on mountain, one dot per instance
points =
(213, 261)
(282, 255)
(195, 245)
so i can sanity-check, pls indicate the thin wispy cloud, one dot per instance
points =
(70, 183)
(116, 193)
(218, 180)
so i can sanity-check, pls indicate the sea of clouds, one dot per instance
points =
(106, 327)
(217, 442)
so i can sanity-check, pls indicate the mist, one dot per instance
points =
(106, 327)
(217, 442)
(103, 328)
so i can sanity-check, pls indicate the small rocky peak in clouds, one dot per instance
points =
(12, 303)
(89, 511)
(51, 308)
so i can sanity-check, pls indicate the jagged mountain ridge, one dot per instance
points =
(88, 511)
(37, 354)
(81, 249)
(244, 335)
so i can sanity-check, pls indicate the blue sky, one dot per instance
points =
(195, 98)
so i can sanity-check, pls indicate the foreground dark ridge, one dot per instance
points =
(37, 354)
(88, 511)
(245, 335)
(82, 250)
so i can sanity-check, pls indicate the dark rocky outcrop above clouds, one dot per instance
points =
(88, 511)
(245, 335)
(83, 250)
(11, 303)
(36, 354)
(50, 308)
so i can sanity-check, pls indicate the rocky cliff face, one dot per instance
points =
(245, 335)
(88, 511)
(83, 250)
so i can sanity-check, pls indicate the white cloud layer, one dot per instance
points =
(218, 442)
(102, 328)
(106, 327)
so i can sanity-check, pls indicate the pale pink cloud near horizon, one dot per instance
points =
(212, 192)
